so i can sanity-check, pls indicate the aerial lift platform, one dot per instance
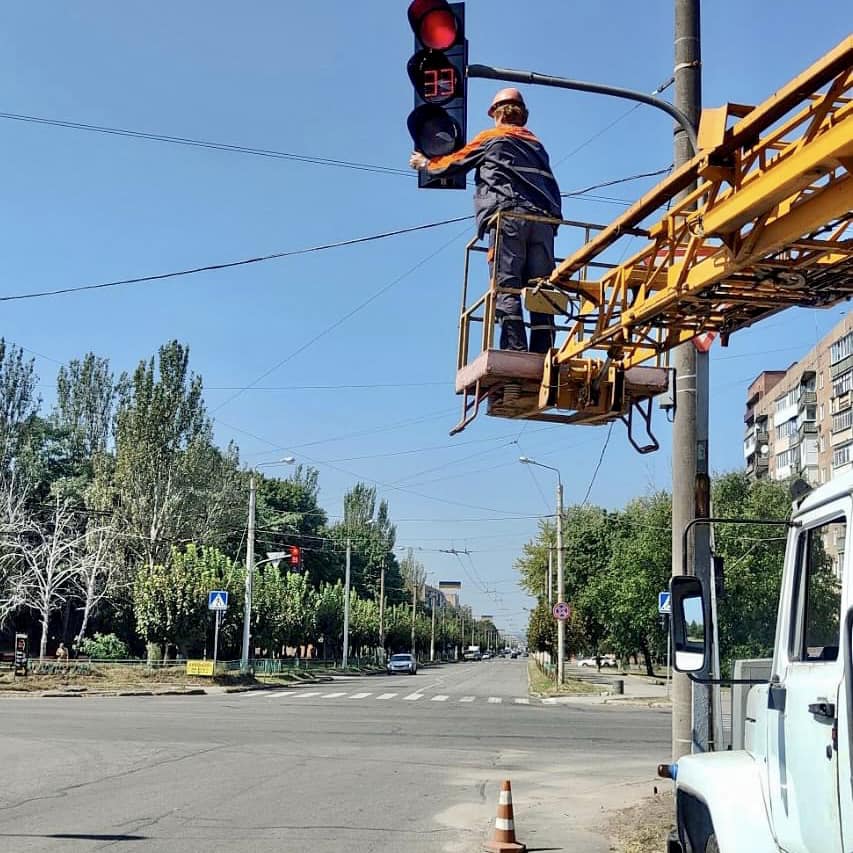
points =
(758, 221)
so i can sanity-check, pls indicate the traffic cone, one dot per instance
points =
(504, 840)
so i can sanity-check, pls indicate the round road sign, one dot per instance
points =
(562, 611)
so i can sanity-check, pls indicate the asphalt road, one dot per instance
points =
(351, 765)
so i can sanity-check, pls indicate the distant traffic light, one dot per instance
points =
(437, 70)
(295, 555)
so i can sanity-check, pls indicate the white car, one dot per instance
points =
(606, 660)
(402, 663)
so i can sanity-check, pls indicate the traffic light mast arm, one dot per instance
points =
(532, 78)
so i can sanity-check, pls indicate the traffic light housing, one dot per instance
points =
(295, 555)
(437, 70)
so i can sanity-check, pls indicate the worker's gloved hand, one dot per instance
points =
(418, 161)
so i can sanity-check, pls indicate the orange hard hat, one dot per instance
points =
(506, 96)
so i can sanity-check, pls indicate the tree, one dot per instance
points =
(163, 451)
(98, 574)
(86, 393)
(47, 554)
(170, 599)
(542, 628)
(368, 525)
(329, 617)
(641, 565)
(753, 558)
(19, 402)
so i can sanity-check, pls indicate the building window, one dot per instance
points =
(841, 456)
(785, 429)
(823, 475)
(841, 348)
(787, 457)
(842, 421)
(789, 399)
(821, 444)
(842, 383)
(820, 381)
(820, 412)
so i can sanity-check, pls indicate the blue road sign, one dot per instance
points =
(217, 599)
(664, 603)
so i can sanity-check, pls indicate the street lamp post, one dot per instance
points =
(250, 564)
(561, 585)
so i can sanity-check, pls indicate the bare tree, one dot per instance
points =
(13, 522)
(45, 556)
(98, 573)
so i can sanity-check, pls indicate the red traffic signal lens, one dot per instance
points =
(294, 555)
(434, 132)
(433, 23)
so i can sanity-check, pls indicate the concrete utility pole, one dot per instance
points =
(250, 570)
(345, 660)
(414, 608)
(561, 587)
(561, 578)
(690, 722)
(382, 607)
(432, 634)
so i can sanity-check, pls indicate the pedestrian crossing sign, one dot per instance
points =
(217, 599)
(664, 603)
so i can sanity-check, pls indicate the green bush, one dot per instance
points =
(104, 647)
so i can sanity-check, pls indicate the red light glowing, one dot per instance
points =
(437, 29)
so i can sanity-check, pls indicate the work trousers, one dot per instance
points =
(525, 251)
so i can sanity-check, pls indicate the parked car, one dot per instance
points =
(487, 655)
(513, 655)
(402, 663)
(606, 660)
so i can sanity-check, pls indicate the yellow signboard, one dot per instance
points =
(199, 667)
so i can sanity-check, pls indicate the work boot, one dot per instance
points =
(513, 334)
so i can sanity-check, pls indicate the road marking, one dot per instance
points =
(549, 701)
(386, 696)
(521, 701)
(467, 698)
(309, 693)
(440, 698)
(413, 697)
(495, 700)
(360, 695)
(333, 695)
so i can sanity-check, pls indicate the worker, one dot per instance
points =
(513, 175)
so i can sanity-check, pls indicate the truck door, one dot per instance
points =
(804, 693)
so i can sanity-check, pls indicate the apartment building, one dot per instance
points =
(799, 421)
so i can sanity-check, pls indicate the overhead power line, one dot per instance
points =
(206, 143)
(230, 264)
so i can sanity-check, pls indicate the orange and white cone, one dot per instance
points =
(504, 840)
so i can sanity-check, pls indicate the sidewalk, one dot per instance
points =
(637, 689)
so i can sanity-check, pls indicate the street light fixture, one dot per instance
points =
(561, 587)
(250, 561)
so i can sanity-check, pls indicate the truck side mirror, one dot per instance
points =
(689, 623)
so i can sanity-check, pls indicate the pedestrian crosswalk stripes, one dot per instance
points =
(417, 696)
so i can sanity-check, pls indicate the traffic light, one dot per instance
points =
(295, 555)
(437, 71)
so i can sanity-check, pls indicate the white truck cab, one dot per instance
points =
(790, 788)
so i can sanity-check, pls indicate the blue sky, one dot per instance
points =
(328, 79)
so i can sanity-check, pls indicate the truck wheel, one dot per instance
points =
(711, 845)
